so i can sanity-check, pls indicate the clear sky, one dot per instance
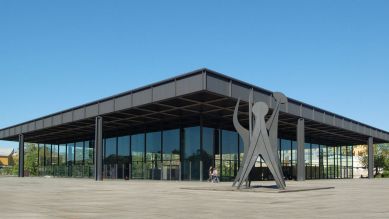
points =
(58, 54)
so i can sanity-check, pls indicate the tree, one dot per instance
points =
(381, 157)
(31, 159)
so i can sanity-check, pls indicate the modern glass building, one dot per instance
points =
(176, 129)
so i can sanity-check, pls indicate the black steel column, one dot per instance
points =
(300, 150)
(201, 148)
(21, 155)
(99, 148)
(371, 157)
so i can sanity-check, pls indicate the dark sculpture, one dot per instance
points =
(260, 139)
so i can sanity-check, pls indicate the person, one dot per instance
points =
(210, 174)
(215, 176)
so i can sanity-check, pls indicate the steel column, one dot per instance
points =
(300, 150)
(370, 157)
(99, 148)
(21, 155)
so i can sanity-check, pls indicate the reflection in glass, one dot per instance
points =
(171, 154)
(229, 150)
(62, 154)
(208, 150)
(79, 150)
(47, 154)
(315, 161)
(54, 154)
(89, 152)
(191, 151)
(137, 153)
(110, 151)
(70, 154)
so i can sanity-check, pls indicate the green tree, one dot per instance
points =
(31, 159)
(381, 157)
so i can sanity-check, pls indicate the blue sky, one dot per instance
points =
(59, 54)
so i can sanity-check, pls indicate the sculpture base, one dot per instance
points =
(264, 189)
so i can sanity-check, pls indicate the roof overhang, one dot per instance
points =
(181, 101)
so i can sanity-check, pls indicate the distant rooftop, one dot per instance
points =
(5, 152)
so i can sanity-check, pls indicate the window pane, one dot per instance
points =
(70, 155)
(79, 152)
(315, 161)
(110, 151)
(153, 146)
(286, 155)
(229, 155)
(54, 154)
(208, 150)
(171, 144)
(123, 157)
(192, 143)
(191, 147)
(308, 160)
(89, 152)
(62, 154)
(124, 150)
(137, 147)
(137, 153)
(47, 154)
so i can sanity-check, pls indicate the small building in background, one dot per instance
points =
(6, 157)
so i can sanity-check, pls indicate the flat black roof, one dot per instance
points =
(198, 92)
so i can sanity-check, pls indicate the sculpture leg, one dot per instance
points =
(250, 162)
(238, 175)
(269, 158)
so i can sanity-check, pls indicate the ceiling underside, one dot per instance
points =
(215, 110)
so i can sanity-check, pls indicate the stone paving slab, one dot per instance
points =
(85, 198)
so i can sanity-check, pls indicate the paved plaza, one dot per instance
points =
(85, 198)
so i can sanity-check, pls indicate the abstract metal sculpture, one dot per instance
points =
(260, 139)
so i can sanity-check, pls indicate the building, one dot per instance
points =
(177, 128)
(6, 157)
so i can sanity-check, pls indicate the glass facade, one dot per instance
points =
(187, 153)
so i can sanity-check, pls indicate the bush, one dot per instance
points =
(7, 171)
(385, 174)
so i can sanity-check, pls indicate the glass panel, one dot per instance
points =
(331, 162)
(79, 153)
(171, 144)
(70, 154)
(323, 161)
(208, 151)
(41, 155)
(54, 154)
(62, 154)
(308, 160)
(124, 150)
(47, 155)
(137, 153)
(286, 157)
(89, 152)
(294, 159)
(344, 161)
(229, 150)
(153, 155)
(110, 151)
(123, 157)
(350, 162)
(110, 167)
(191, 151)
(153, 146)
(171, 154)
(192, 143)
(315, 162)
